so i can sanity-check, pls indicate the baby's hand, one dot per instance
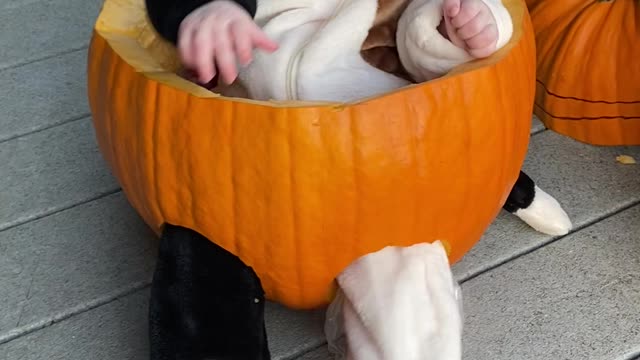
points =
(471, 26)
(217, 33)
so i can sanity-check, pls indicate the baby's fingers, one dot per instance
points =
(225, 57)
(196, 50)
(261, 40)
(468, 11)
(482, 53)
(242, 43)
(488, 37)
(451, 7)
(185, 38)
(479, 51)
(204, 50)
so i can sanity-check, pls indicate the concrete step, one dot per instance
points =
(43, 94)
(577, 298)
(39, 29)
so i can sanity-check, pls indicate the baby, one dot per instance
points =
(205, 302)
(319, 43)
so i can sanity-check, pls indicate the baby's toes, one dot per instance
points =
(484, 43)
(472, 29)
(469, 11)
(487, 36)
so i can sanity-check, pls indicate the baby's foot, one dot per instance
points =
(470, 25)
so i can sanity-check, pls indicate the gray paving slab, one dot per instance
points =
(321, 353)
(49, 171)
(536, 125)
(114, 331)
(118, 330)
(43, 94)
(63, 264)
(293, 332)
(585, 179)
(37, 29)
(511, 312)
(577, 298)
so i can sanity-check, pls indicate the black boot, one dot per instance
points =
(205, 302)
(521, 195)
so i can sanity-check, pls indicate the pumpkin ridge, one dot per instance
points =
(355, 165)
(508, 128)
(115, 127)
(233, 188)
(102, 115)
(414, 167)
(558, 24)
(546, 89)
(298, 240)
(186, 201)
(154, 150)
(268, 205)
(587, 118)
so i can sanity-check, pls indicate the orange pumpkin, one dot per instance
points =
(588, 69)
(300, 190)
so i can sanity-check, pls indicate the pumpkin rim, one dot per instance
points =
(137, 56)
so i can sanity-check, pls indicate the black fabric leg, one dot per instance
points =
(205, 303)
(522, 194)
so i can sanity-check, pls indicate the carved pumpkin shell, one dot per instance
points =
(300, 190)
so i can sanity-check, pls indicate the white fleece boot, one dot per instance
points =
(400, 303)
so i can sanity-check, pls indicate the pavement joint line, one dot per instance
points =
(31, 218)
(46, 127)
(19, 332)
(552, 240)
(306, 351)
(18, 64)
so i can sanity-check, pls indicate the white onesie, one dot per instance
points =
(319, 56)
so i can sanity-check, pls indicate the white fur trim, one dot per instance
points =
(423, 51)
(503, 21)
(545, 215)
(402, 303)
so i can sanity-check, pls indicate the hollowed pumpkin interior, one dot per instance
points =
(299, 190)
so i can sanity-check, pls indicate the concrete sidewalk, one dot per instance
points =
(76, 261)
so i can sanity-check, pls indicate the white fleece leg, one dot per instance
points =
(319, 52)
(424, 52)
(332, 68)
(503, 21)
(545, 214)
(401, 303)
(289, 23)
